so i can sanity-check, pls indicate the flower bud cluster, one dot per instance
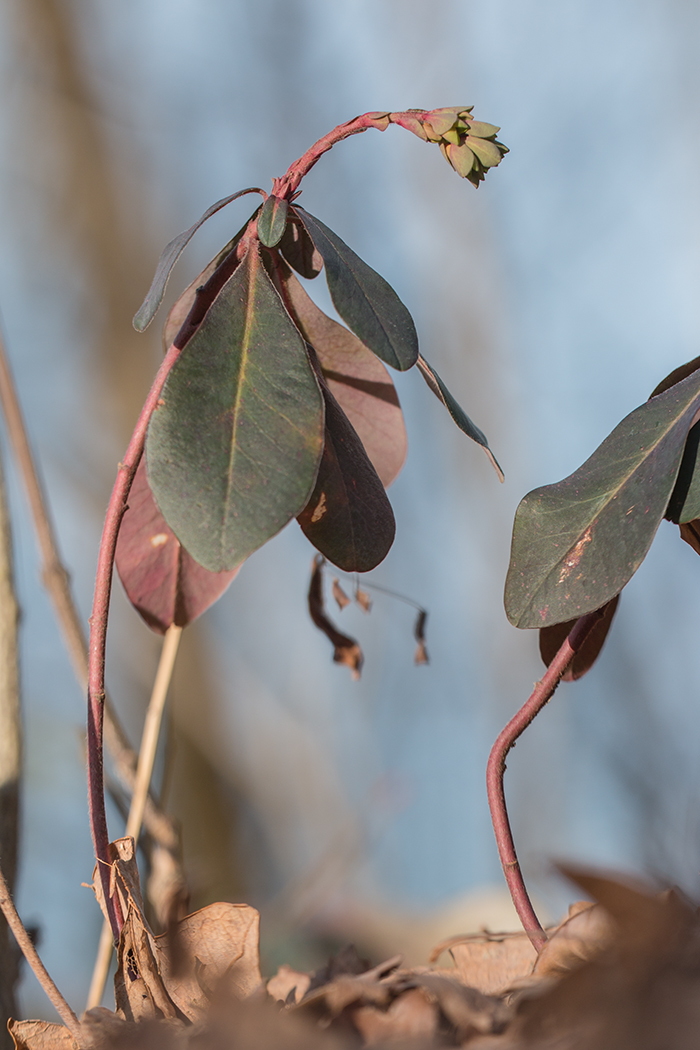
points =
(469, 145)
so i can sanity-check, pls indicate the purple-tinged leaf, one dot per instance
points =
(690, 532)
(552, 638)
(299, 250)
(234, 445)
(348, 517)
(458, 414)
(682, 372)
(179, 311)
(357, 379)
(272, 221)
(577, 543)
(369, 306)
(163, 583)
(169, 256)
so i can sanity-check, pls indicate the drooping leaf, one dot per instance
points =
(345, 649)
(169, 256)
(552, 638)
(357, 379)
(234, 445)
(684, 504)
(577, 543)
(182, 306)
(367, 304)
(690, 532)
(163, 583)
(272, 221)
(298, 248)
(456, 411)
(348, 517)
(682, 372)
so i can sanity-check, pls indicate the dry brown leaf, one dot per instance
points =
(363, 600)
(492, 962)
(345, 649)
(468, 1010)
(220, 947)
(139, 988)
(346, 985)
(585, 932)
(409, 1017)
(421, 656)
(40, 1035)
(340, 595)
(287, 981)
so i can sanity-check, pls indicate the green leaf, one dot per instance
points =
(298, 249)
(461, 158)
(348, 517)
(577, 543)
(357, 379)
(234, 446)
(169, 256)
(552, 638)
(272, 221)
(367, 304)
(487, 152)
(456, 411)
(481, 129)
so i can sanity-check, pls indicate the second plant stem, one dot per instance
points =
(495, 770)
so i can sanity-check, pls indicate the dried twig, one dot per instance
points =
(147, 754)
(32, 956)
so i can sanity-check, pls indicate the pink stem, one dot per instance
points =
(496, 768)
(288, 184)
(98, 637)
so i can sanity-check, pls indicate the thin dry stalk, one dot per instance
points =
(147, 754)
(32, 956)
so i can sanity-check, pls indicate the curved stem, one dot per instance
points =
(98, 637)
(496, 768)
(289, 183)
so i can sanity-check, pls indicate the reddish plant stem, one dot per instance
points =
(98, 637)
(496, 768)
(289, 183)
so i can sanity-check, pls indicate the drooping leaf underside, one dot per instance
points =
(234, 446)
(357, 379)
(345, 649)
(369, 306)
(162, 581)
(348, 517)
(552, 638)
(458, 414)
(180, 310)
(169, 256)
(298, 249)
(577, 543)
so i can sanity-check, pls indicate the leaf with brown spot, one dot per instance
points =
(348, 517)
(162, 581)
(346, 650)
(577, 543)
(340, 595)
(357, 379)
(421, 656)
(552, 638)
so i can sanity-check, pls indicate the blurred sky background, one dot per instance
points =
(551, 301)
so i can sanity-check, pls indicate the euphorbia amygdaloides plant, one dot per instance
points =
(264, 409)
